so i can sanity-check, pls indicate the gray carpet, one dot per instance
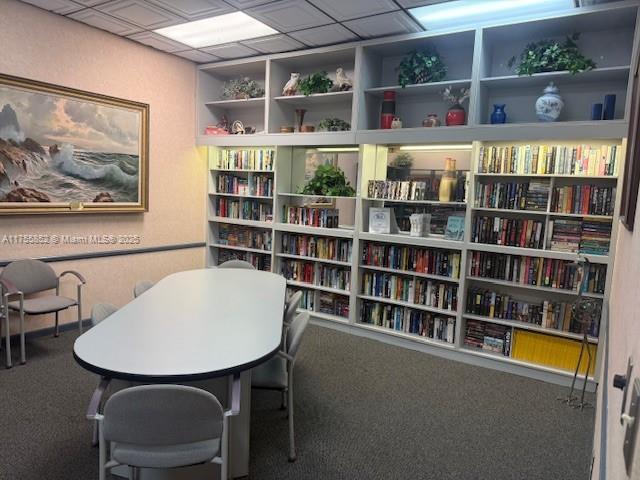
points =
(364, 410)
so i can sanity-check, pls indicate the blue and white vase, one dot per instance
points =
(498, 115)
(549, 105)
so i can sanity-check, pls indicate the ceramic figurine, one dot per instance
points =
(396, 122)
(498, 115)
(549, 105)
(432, 120)
(343, 83)
(237, 128)
(291, 87)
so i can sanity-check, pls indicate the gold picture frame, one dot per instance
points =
(64, 150)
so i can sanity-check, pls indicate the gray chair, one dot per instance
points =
(142, 286)
(277, 373)
(25, 277)
(163, 426)
(237, 264)
(100, 311)
(291, 307)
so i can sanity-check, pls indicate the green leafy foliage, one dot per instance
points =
(329, 180)
(552, 56)
(319, 82)
(243, 87)
(334, 125)
(403, 160)
(422, 66)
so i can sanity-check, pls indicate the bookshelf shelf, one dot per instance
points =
(506, 283)
(240, 170)
(418, 202)
(241, 221)
(238, 195)
(537, 252)
(597, 75)
(410, 336)
(321, 288)
(580, 215)
(509, 210)
(313, 259)
(327, 232)
(236, 104)
(326, 316)
(418, 89)
(240, 248)
(302, 195)
(528, 326)
(547, 175)
(415, 306)
(316, 98)
(440, 278)
(404, 238)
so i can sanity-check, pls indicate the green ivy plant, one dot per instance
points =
(422, 66)
(403, 160)
(334, 125)
(243, 87)
(552, 56)
(329, 180)
(318, 82)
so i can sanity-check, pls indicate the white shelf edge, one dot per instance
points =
(422, 202)
(537, 252)
(410, 336)
(440, 278)
(241, 221)
(240, 248)
(313, 259)
(506, 283)
(321, 288)
(237, 195)
(327, 232)
(415, 306)
(430, 241)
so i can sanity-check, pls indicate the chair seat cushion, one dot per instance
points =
(45, 304)
(271, 374)
(153, 456)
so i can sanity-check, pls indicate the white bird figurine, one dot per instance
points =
(343, 83)
(291, 87)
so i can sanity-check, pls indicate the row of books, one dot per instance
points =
(311, 216)
(257, 185)
(431, 261)
(325, 276)
(418, 291)
(590, 236)
(513, 232)
(325, 248)
(307, 301)
(333, 304)
(244, 209)
(545, 313)
(582, 160)
(584, 199)
(246, 159)
(439, 215)
(488, 336)
(424, 324)
(240, 236)
(260, 262)
(412, 190)
(532, 195)
(538, 271)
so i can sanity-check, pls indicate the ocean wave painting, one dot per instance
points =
(66, 149)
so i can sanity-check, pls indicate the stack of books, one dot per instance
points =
(334, 277)
(513, 232)
(307, 301)
(259, 261)
(244, 209)
(240, 236)
(261, 185)
(311, 216)
(565, 236)
(325, 248)
(583, 199)
(246, 159)
(412, 259)
(488, 336)
(596, 236)
(511, 196)
(333, 304)
(232, 184)
(298, 271)
(406, 289)
(397, 190)
(537, 196)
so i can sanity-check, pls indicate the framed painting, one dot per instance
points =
(69, 151)
(631, 179)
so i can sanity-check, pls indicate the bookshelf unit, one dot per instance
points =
(480, 66)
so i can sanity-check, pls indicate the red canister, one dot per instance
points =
(388, 109)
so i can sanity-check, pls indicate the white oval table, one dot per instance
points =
(192, 326)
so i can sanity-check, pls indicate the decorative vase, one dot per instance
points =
(549, 105)
(456, 115)
(432, 120)
(396, 123)
(388, 111)
(498, 115)
(448, 180)
(596, 111)
(299, 118)
(609, 110)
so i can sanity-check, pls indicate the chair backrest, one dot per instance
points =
(292, 306)
(160, 415)
(141, 287)
(30, 276)
(237, 264)
(100, 311)
(296, 332)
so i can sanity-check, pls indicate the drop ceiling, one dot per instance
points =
(301, 23)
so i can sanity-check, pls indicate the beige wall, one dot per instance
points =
(39, 45)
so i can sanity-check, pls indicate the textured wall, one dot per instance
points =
(43, 46)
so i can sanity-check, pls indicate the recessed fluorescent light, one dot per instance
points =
(338, 149)
(228, 28)
(475, 12)
(434, 148)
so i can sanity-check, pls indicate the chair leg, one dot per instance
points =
(102, 455)
(134, 473)
(224, 466)
(7, 336)
(23, 350)
(56, 332)
(283, 405)
(80, 308)
(292, 446)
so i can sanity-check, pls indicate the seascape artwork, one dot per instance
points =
(58, 149)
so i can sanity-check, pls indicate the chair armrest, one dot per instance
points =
(8, 287)
(235, 397)
(94, 405)
(75, 274)
(285, 355)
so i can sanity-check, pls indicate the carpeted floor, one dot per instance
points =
(364, 410)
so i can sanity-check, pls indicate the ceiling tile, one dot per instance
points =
(274, 44)
(327, 35)
(58, 6)
(197, 56)
(158, 41)
(230, 50)
(90, 3)
(288, 15)
(195, 9)
(385, 24)
(241, 4)
(346, 10)
(419, 3)
(140, 13)
(105, 22)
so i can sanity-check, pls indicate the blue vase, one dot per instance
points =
(498, 115)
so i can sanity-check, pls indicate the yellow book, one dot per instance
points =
(548, 350)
